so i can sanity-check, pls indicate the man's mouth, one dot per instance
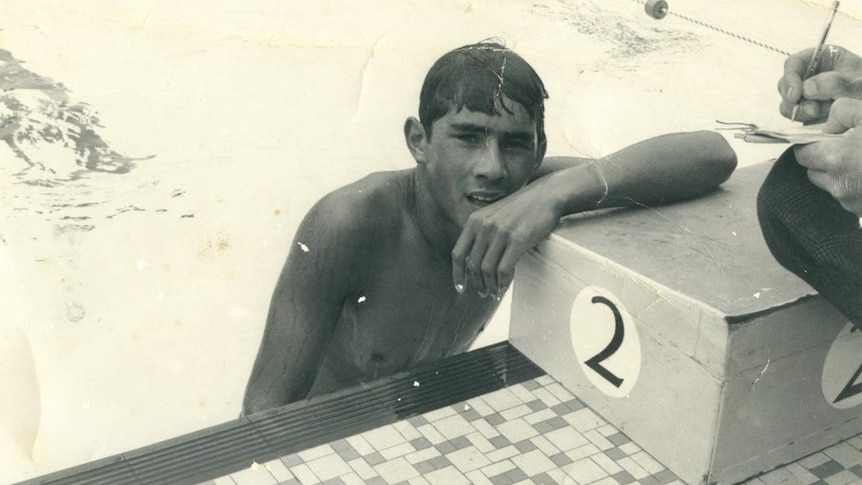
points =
(483, 199)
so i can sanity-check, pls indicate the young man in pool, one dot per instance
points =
(406, 267)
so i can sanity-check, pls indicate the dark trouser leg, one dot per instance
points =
(810, 234)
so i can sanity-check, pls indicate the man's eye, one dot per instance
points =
(516, 145)
(468, 138)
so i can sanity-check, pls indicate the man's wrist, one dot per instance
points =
(579, 189)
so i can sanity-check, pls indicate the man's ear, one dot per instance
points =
(416, 138)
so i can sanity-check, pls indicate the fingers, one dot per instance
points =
(853, 88)
(835, 166)
(485, 258)
(790, 85)
(821, 179)
(848, 193)
(490, 266)
(845, 114)
(832, 85)
(476, 262)
(483, 263)
(836, 80)
(816, 156)
(506, 268)
(459, 258)
(846, 190)
(808, 111)
(500, 270)
(475, 257)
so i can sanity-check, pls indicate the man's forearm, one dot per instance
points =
(657, 170)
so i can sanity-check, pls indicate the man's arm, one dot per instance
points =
(814, 235)
(306, 304)
(834, 166)
(658, 170)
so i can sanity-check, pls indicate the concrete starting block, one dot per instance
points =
(678, 327)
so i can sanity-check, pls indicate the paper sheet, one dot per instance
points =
(789, 134)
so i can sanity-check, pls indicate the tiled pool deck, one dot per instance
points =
(532, 432)
(485, 417)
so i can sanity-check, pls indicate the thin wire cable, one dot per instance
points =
(723, 31)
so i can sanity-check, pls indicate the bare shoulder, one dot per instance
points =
(361, 210)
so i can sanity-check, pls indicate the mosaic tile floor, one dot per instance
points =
(535, 432)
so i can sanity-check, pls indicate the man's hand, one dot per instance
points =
(496, 237)
(836, 166)
(659, 170)
(839, 76)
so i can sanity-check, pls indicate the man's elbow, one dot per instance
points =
(257, 400)
(707, 161)
(250, 406)
(717, 158)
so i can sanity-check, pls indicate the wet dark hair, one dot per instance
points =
(474, 77)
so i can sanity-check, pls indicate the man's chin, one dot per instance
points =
(468, 209)
(468, 206)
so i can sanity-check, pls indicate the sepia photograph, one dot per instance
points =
(552, 242)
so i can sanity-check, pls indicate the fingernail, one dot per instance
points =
(809, 89)
(459, 288)
(810, 110)
(789, 92)
(483, 293)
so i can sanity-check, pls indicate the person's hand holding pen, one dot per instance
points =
(833, 166)
(836, 166)
(839, 76)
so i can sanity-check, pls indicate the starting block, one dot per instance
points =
(677, 325)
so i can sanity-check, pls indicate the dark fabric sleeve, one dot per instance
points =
(810, 234)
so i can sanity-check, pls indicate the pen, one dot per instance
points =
(815, 56)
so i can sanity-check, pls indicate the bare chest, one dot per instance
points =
(407, 312)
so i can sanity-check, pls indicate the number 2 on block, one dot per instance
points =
(595, 362)
(852, 388)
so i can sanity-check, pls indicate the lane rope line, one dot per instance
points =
(721, 30)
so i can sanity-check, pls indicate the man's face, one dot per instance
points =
(475, 159)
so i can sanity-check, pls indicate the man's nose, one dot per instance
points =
(490, 164)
